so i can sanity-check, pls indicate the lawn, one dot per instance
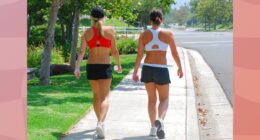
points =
(54, 109)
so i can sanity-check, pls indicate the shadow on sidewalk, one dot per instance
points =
(87, 134)
(138, 138)
(129, 85)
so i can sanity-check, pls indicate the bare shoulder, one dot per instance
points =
(87, 31)
(109, 29)
(146, 33)
(167, 32)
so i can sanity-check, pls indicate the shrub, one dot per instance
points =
(34, 55)
(127, 46)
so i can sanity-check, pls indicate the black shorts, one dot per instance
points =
(99, 71)
(157, 75)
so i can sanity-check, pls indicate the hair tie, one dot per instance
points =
(158, 19)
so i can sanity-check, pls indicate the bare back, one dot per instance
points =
(100, 55)
(156, 57)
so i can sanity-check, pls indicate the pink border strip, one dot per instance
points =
(246, 69)
(13, 67)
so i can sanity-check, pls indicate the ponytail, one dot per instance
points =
(99, 28)
(156, 16)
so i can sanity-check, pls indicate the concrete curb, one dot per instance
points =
(192, 126)
(214, 109)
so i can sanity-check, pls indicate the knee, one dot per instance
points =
(152, 102)
(166, 99)
(104, 98)
(96, 97)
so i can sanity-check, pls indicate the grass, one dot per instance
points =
(53, 110)
(219, 28)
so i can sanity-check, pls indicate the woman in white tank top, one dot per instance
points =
(155, 74)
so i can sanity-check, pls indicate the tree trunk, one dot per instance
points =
(75, 38)
(209, 24)
(49, 43)
(63, 32)
(205, 25)
(215, 25)
(69, 28)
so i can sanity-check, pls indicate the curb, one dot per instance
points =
(214, 110)
(192, 126)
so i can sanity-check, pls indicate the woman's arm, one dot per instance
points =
(80, 56)
(114, 51)
(175, 54)
(140, 54)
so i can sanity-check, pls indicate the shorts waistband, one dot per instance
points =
(156, 65)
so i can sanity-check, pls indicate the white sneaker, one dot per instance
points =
(100, 130)
(160, 129)
(153, 132)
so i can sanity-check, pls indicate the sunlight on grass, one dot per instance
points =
(53, 109)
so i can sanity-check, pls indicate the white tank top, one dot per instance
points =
(156, 44)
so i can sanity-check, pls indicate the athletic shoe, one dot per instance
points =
(153, 132)
(100, 130)
(160, 129)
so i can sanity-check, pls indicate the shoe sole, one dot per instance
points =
(100, 133)
(160, 133)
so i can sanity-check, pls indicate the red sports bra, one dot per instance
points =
(98, 41)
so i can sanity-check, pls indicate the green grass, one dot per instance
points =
(54, 109)
(219, 28)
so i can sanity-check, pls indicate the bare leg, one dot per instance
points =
(163, 91)
(96, 97)
(152, 99)
(104, 88)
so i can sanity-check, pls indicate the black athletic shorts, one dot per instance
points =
(157, 75)
(99, 71)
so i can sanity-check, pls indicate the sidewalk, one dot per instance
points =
(128, 118)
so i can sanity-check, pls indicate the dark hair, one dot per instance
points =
(156, 16)
(97, 12)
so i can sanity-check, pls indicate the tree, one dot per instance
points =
(75, 35)
(212, 12)
(49, 42)
(145, 6)
(180, 16)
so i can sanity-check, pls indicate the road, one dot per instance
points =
(217, 50)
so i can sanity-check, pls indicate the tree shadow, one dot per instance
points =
(83, 135)
(129, 85)
(139, 138)
(41, 100)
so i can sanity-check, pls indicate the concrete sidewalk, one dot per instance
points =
(128, 118)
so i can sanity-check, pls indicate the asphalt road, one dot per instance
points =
(217, 50)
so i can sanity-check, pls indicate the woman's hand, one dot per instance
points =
(77, 73)
(179, 72)
(118, 68)
(135, 77)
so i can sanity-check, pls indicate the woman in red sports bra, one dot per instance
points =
(101, 42)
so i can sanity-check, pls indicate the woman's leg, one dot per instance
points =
(104, 89)
(96, 97)
(163, 91)
(152, 99)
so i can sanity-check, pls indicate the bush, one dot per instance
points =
(34, 55)
(66, 51)
(127, 46)
(85, 22)
(37, 34)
